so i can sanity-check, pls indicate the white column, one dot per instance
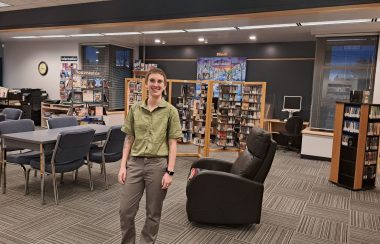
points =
(376, 89)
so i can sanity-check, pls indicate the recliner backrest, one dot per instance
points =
(15, 126)
(73, 145)
(249, 163)
(115, 140)
(60, 122)
(294, 125)
(12, 113)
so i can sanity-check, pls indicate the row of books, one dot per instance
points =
(369, 172)
(372, 143)
(351, 126)
(348, 140)
(374, 112)
(373, 129)
(370, 158)
(352, 112)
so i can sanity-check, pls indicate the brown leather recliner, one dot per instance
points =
(231, 193)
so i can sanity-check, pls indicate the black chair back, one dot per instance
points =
(294, 125)
(115, 140)
(60, 122)
(15, 126)
(72, 146)
(12, 113)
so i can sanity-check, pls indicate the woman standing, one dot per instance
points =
(153, 127)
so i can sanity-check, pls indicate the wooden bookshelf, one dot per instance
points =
(355, 145)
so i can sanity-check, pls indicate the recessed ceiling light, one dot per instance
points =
(54, 36)
(85, 35)
(334, 22)
(252, 37)
(163, 42)
(201, 39)
(121, 33)
(162, 31)
(266, 26)
(157, 40)
(206, 42)
(25, 37)
(211, 29)
(3, 5)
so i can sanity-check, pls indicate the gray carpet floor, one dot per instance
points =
(300, 206)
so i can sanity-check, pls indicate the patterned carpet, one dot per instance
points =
(299, 206)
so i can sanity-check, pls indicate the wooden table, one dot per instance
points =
(276, 125)
(42, 141)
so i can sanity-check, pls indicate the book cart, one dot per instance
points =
(235, 115)
(355, 145)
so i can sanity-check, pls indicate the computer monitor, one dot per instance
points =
(292, 104)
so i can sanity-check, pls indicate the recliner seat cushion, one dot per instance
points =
(246, 165)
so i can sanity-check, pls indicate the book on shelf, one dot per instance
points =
(97, 96)
(78, 97)
(88, 96)
(98, 111)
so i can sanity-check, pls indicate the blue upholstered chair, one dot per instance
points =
(71, 148)
(111, 151)
(17, 157)
(12, 113)
(60, 122)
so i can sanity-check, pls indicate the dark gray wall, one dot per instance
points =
(286, 67)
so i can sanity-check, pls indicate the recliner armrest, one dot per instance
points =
(212, 164)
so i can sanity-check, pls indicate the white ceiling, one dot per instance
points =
(28, 4)
(298, 33)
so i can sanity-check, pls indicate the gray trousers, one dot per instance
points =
(142, 173)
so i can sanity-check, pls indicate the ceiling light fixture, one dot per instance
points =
(253, 38)
(201, 39)
(3, 5)
(211, 29)
(163, 42)
(54, 36)
(121, 33)
(163, 32)
(335, 22)
(206, 42)
(86, 35)
(25, 37)
(266, 26)
(157, 40)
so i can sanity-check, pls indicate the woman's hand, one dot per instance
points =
(166, 181)
(122, 175)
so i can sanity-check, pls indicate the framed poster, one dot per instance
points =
(221, 69)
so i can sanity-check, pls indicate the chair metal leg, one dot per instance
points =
(55, 188)
(89, 164)
(76, 176)
(35, 173)
(1, 175)
(27, 173)
(61, 181)
(4, 186)
(101, 169)
(105, 174)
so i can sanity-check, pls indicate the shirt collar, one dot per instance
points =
(162, 104)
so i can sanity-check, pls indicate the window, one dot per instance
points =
(342, 64)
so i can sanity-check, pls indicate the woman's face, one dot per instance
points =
(156, 85)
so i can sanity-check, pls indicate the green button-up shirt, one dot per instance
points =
(152, 129)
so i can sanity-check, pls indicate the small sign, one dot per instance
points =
(69, 58)
(222, 54)
(91, 73)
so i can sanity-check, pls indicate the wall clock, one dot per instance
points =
(42, 68)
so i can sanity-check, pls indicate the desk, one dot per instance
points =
(43, 140)
(276, 125)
